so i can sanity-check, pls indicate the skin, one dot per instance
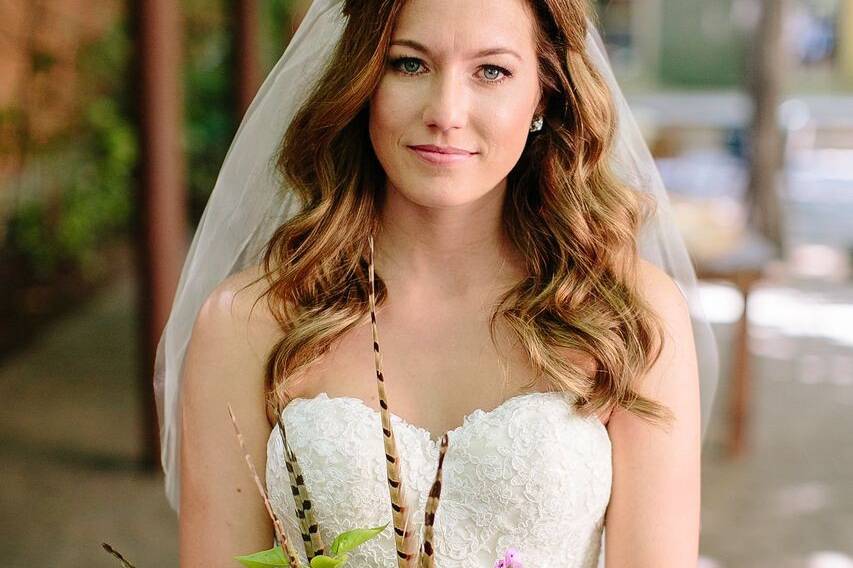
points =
(443, 255)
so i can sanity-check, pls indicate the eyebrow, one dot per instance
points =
(482, 53)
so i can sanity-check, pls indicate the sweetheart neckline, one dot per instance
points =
(467, 420)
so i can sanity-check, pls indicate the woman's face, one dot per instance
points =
(459, 75)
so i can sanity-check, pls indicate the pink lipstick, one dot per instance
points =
(441, 155)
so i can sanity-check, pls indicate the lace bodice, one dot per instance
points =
(531, 474)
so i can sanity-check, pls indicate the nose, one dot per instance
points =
(445, 107)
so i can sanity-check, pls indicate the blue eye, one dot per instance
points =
(499, 70)
(410, 64)
(492, 69)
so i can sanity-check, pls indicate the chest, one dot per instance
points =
(439, 365)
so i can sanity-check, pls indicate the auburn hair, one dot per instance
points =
(576, 222)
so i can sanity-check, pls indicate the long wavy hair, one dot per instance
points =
(575, 221)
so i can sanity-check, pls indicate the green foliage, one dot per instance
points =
(42, 61)
(343, 543)
(27, 234)
(98, 201)
(89, 195)
(208, 95)
(275, 19)
(210, 111)
(274, 557)
(327, 562)
(80, 192)
(94, 202)
(349, 540)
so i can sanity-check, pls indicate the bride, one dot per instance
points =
(524, 307)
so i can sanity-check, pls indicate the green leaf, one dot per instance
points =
(272, 558)
(328, 562)
(348, 540)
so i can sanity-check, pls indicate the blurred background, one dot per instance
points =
(115, 117)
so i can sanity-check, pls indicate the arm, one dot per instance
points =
(652, 520)
(221, 513)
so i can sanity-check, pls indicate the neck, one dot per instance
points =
(452, 251)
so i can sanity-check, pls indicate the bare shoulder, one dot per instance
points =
(231, 338)
(667, 300)
(237, 312)
(238, 293)
(658, 288)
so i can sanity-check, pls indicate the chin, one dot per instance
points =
(438, 193)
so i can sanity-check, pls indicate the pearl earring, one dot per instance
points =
(537, 124)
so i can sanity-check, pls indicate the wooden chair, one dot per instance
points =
(743, 266)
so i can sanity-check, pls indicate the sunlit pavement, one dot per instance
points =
(69, 478)
(789, 502)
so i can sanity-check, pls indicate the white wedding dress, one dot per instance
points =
(530, 474)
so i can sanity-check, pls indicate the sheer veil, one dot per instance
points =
(249, 201)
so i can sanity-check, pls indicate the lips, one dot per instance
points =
(441, 155)
(440, 149)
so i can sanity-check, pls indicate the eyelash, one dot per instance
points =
(398, 60)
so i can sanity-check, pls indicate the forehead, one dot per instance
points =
(457, 27)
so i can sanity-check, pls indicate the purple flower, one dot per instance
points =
(511, 559)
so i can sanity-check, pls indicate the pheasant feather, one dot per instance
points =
(427, 550)
(311, 538)
(404, 537)
(286, 547)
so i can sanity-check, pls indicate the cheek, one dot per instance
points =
(386, 119)
(506, 124)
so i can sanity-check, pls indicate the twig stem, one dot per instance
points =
(292, 557)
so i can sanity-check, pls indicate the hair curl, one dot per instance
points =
(575, 220)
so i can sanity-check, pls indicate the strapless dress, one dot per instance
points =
(530, 474)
